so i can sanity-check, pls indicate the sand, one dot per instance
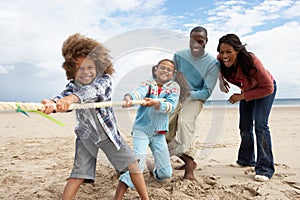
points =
(37, 155)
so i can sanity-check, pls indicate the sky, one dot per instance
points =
(139, 33)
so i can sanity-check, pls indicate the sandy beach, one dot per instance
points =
(37, 155)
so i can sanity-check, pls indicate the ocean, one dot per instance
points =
(224, 103)
(277, 102)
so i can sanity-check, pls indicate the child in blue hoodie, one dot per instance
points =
(161, 95)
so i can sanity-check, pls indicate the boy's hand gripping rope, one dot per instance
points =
(19, 106)
(35, 107)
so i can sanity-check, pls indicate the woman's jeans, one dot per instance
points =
(256, 113)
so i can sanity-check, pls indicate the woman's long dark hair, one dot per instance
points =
(244, 58)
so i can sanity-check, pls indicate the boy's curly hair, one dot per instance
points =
(77, 46)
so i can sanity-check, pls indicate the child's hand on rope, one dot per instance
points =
(49, 106)
(150, 102)
(63, 104)
(128, 101)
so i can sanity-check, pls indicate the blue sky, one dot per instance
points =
(139, 33)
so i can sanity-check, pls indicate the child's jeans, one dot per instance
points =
(160, 152)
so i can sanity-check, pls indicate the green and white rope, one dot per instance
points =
(13, 106)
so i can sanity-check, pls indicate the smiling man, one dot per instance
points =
(201, 72)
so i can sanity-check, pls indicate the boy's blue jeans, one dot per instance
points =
(256, 113)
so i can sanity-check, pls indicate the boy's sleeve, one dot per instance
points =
(69, 89)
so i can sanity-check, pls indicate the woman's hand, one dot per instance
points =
(235, 98)
(223, 84)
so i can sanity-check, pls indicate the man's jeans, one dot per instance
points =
(256, 112)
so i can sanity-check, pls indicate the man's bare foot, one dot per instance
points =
(182, 167)
(189, 164)
(189, 172)
(187, 177)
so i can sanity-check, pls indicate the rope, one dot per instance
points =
(13, 106)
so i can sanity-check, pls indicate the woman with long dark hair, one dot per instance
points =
(258, 89)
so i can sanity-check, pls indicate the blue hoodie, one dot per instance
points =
(148, 119)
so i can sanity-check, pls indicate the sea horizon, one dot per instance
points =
(277, 102)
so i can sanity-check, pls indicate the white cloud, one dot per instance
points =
(273, 6)
(32, 32)
(279, 49)
(293, 10)
(6, 69)
(243, 16)
(275, 41)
